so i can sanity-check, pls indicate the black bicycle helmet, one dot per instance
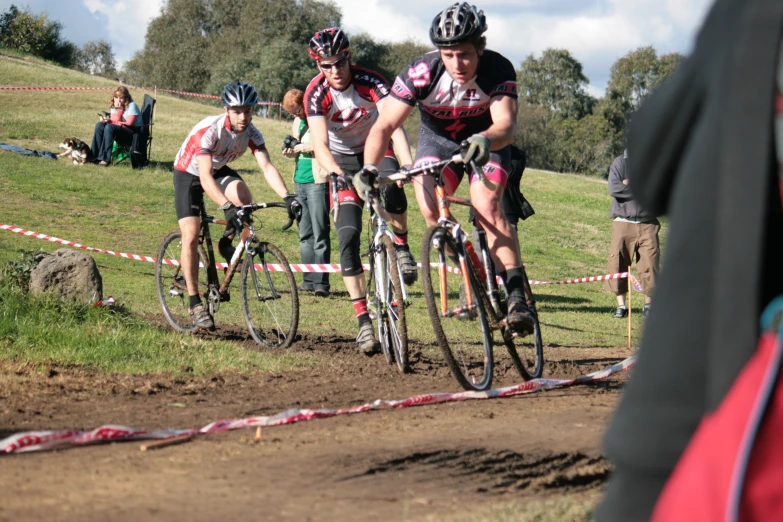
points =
(237, 94)
(458, 24)
(327, 43)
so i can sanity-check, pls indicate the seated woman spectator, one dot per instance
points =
(123, 121)
(312, 191)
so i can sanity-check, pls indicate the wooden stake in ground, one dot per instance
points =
(630, 291)
(165, 442)
(257, 438)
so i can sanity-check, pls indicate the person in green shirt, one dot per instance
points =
(312, 190)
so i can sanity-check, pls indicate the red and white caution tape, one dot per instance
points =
(303, 268)
(45, 440)
(149, 89)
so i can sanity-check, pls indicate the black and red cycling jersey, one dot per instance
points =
(350, 113)
(455, 111)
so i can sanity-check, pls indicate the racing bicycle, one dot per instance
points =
(387, 297)
(465, 299)
(268, 294)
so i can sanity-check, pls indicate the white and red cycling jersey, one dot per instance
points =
(350, 113)
(213, 136)
(455, 111)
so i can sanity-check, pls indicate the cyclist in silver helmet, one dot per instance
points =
(465, 92)
(201, 166)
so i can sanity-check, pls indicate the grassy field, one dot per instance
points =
(131, 211)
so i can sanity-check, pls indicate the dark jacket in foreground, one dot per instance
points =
(701, 152)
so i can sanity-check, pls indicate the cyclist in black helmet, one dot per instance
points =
(465, 92)
(341, 104)
(201, 166)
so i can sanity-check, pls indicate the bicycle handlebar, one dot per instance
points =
(249, 209)
(433, 168)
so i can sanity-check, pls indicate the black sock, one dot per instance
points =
(514, 279)
(364, 319)
(195, 300)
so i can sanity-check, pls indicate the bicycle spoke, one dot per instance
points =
(170, 282)
(461, 328)
(269, 300)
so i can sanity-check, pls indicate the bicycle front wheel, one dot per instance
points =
(170, 282)
(527, 353)
(270, 302)
(463, 332)
(394, 333)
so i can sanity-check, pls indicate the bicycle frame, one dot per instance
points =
(378, 222)
(216, 289)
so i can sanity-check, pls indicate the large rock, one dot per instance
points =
(69, 273)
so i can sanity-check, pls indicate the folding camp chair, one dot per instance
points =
(141, 146)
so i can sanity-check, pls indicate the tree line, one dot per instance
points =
(200, 45)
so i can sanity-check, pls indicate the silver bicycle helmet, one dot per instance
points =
(237, 94)
(458, 24)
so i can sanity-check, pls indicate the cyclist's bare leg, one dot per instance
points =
(399, 222)
(503, 245)
(424, 187)
(238, 193)
(189, 226)
(356, 285)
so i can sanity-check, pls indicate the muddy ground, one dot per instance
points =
(422, 463)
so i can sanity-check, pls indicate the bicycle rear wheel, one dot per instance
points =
(270, 302)
(527, 353)
(463, 334)
(170, 282)
(394, 333)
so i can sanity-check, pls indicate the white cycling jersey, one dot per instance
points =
(213, 136)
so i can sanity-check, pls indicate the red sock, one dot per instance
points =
(400, 238)
(360, 306)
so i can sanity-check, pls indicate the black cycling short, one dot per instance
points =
(188, 193)
(349, 224)
(432, 148)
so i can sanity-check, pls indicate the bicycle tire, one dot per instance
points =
(270, 302)
(466, 349)
(170, 283)
(394, 315)
(376, 279)
(527, 353)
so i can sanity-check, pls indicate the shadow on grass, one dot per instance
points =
(542, 298)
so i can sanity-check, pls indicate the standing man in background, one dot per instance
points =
(634, 236)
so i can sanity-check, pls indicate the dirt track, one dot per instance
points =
(386, 465)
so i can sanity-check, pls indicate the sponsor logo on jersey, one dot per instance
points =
(382, 87)
(507, 87)
(402, 91)
(455, 128)
(456, 112)
(420, 74)
(349, 116)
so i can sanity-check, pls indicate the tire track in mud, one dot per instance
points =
(502, 472)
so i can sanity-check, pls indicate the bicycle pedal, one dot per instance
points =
(224, 298)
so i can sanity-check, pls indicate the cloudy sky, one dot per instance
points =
(596, 32)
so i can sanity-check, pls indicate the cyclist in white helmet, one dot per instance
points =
(201, 166)
(464, 92)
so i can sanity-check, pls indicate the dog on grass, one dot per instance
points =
(78, 151)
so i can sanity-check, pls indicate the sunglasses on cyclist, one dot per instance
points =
(334, 65)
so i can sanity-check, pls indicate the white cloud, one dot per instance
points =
(127, 23)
